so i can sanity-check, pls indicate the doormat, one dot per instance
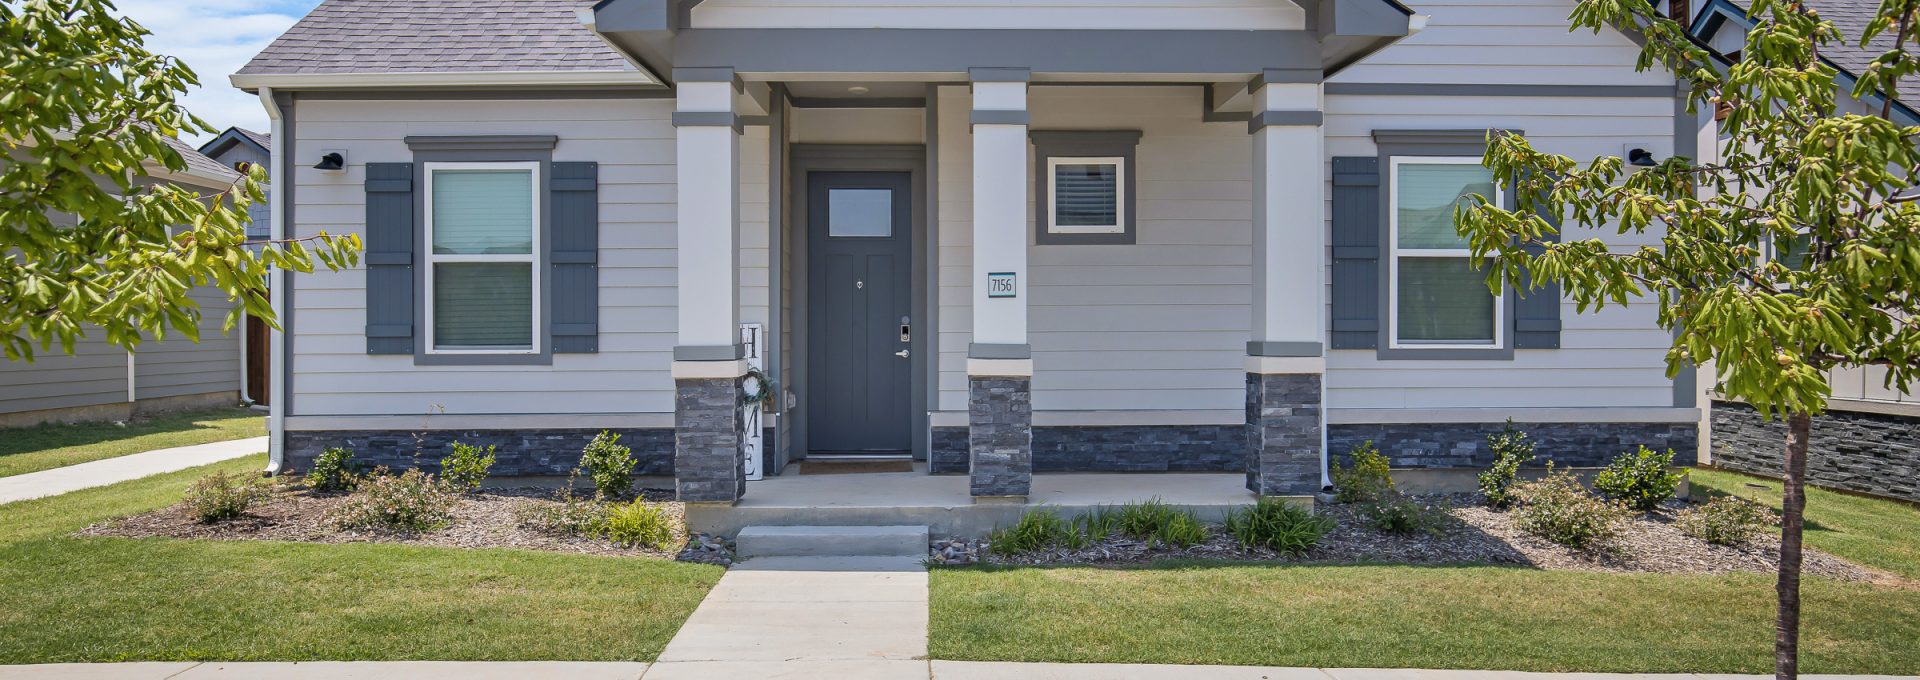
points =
(854, 467)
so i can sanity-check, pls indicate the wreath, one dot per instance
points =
(759, 386)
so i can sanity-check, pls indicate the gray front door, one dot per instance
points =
(859, 252)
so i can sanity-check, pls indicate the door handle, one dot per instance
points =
(902, 353)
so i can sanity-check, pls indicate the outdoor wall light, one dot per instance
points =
(332, 161)
(1641, 157)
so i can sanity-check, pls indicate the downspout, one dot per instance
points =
(276, 290)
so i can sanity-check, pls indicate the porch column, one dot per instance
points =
(708, 361)
(1286, 358)
(999, 360)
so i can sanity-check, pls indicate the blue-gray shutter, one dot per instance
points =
(1536, 313)
(575, 201)
(1356, 252)
(389, 258)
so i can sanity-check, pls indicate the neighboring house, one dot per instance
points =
(1869, 440)
(101, 381)
(1001, 237)
(243, 149)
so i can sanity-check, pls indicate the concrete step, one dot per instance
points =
(831, 541)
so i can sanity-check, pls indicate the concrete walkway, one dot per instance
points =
(823, 670)
(114, 470)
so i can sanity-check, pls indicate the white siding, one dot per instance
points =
(177, 366)
(632, 140)
(1504, 41)
(1082, 14)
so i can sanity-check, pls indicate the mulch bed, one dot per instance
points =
(1470, 534)
(488, 518)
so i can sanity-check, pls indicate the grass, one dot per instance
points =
(65, 599)
(44, 447)
(1452, 617)
(1874, 532)
(1412, 617)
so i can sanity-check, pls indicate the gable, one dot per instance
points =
(1002, 14)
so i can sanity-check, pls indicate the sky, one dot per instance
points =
(216, 38)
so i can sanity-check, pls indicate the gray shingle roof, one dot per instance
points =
(200, 164)
(1851, 17)
(429, 36)
(263, 139)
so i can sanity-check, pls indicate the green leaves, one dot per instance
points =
(95, 239)
(1796, 251)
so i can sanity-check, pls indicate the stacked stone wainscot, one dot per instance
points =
(1000, 435)
(1283, 431)
(1872, 453)
(709, 433)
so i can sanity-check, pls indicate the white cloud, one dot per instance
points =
(216, 38)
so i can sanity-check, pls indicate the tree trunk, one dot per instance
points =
(1793, 503)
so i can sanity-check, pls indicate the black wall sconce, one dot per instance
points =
(332, 161)
(1641, 157)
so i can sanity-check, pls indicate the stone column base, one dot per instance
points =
(709, 456)
(1283, 433)
(1000, 436)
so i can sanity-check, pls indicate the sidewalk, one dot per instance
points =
(824, 670)
(114, 470)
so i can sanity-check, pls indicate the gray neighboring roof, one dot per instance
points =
(200, 164)
(233, 136)
(263, 139)
(439, 36)
(1851, 17)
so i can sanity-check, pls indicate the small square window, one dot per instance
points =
(1086, 195)
(859, 213)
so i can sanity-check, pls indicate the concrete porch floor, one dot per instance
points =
(943, 504)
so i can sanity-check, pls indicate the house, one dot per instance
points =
(243, 149)
(1002, 238)
(102, 381)
(1869, 439)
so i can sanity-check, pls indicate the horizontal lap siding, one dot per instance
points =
(1107, 14)
(1504, 41)
(95, 374)
(177, 366)
(633, 142)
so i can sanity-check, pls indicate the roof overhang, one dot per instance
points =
(452, 79)
(658, 34)
(227, 139)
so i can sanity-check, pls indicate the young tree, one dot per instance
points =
(1793, 254)
(87, 237)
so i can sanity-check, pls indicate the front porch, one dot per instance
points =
(944, 504)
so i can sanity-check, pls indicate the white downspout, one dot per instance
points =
(276, 291)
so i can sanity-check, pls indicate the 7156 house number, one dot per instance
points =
(1002, 285)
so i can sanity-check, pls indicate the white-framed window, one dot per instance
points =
(482, 256)
(1086, 195)
(1436, 297)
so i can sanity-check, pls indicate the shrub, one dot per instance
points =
(412, 501)
(222, 496)
(1367, 479)
(333, 471)
(466, 467)
(609, 464)
(1092, 527)
(1558, 509)
(1039, 528)
(638, 524)
(1398, 513)
(1639, 480)
(1278, 525)
(1726, 521)
(1511, 449)
(1157, 523)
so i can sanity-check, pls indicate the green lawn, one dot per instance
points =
(1450, 617)
(101, 599)
(42, 447)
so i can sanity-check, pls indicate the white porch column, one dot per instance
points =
(709, 457)
(1286, 356)
(999, 360)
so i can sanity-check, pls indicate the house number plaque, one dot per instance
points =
(1002, 285)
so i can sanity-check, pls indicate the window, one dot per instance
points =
(1086, 195)
(1438, 298)
(482, 229)
(859, 213)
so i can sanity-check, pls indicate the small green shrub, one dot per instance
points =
(1726, 520)
(1157, 523)
(1639, 480)
(333, 471)
(1040, 528)
(638, 524)
(410, 502)
(1398, 513)
(223, 496)
(1278, 525)
(1558, 509)
(1511, 449)
(1093, 527)
(1368, 478)
(609, 464)
(466, 467)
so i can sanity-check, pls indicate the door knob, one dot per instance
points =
(902, 353)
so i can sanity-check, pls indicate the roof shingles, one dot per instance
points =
(439, 36)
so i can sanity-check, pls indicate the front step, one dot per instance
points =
(819, 541)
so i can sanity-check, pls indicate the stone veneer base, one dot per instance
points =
(1464, 445)
(709, 434)
(1000, 435)
(1869, 453)
(518, 453)
(1283, 433)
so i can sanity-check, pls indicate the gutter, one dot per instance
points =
(276, 290)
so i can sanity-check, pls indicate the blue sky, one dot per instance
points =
(216, 38)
